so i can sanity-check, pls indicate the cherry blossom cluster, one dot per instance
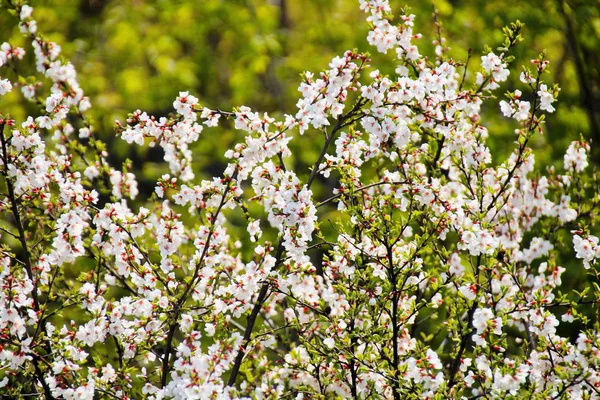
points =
(422, 267)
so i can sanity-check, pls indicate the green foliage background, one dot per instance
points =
(138, 54)
(141, 53)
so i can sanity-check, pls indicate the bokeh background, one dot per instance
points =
(134, 54)
(138, 54)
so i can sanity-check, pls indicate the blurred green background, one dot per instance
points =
(138, 54)
(141, 53)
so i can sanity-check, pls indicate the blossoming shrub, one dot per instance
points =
(442, 280)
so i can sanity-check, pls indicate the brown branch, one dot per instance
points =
(26, 255)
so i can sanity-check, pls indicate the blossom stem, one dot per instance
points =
(361, 188)
(251, 321)
(15, 211)
(183, 298)
(26, 256)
